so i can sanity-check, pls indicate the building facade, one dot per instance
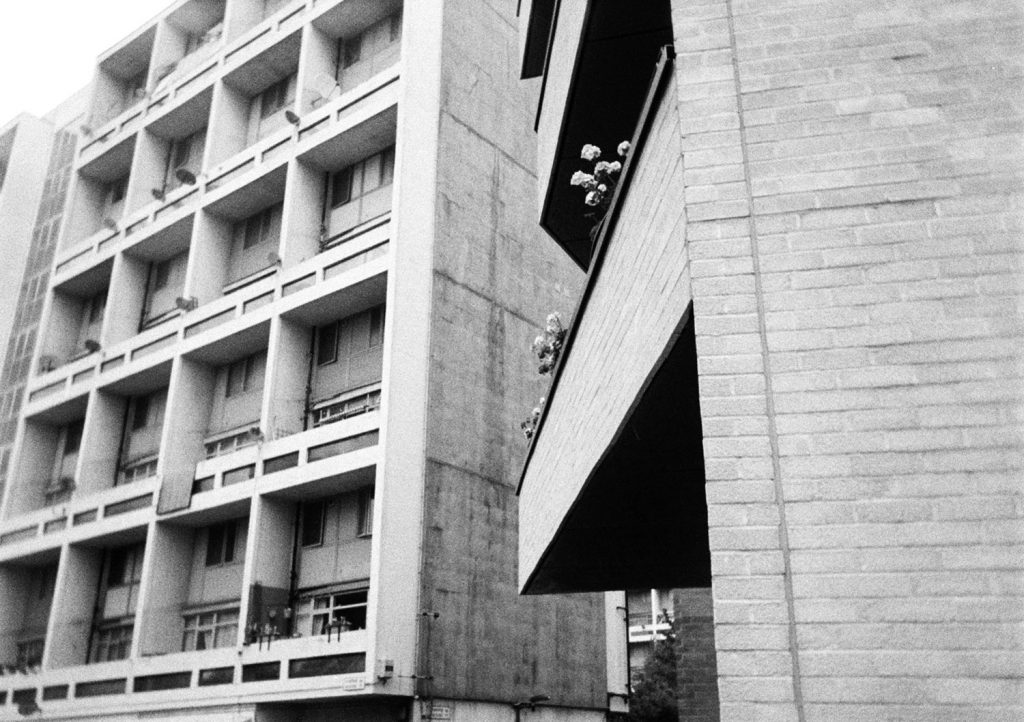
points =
(792, 382)
(36, 155)
(264, 464)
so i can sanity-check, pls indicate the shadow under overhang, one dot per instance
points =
(640, 521)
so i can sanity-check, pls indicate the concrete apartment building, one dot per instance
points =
(792, 383)
(36, 157)
(265, 442)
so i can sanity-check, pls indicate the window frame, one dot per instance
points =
(366, 503)
(192, 622)
(117, 636)
(223, 552)
(274, 98)
(161, 274)
(140, 408)
(307, 611)
(308, 512)
(332, 328)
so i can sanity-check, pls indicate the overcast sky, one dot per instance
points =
(48, 48)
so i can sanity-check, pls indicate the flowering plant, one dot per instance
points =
(600, 184)
(529, 426)
(548, 347)
(549, 344)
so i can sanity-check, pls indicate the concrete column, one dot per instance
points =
(284, 399)
(317, 64)
(148, 169)
(303, 213)
(164, 587)
(229, 125)
(125, 298)
(73, 603)
(209, 256)
(188, 410)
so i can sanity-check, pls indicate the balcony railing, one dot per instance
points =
(157, 344)
(233, 172)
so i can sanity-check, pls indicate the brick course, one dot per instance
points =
(852, 175)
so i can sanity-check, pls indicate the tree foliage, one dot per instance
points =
(654, 698)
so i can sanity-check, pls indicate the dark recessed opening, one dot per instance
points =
(641, 521)
(619, 53)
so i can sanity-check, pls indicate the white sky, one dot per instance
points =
(48, 48)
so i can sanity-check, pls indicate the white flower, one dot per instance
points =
(590, 152)
(602, 166)
(579, 178)
(614, 167)
(603, 188)
(593, 198)
(623, 148)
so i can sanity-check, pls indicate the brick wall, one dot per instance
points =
(852, 179)
(696, 670)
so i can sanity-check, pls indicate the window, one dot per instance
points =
(346, 408)
(327, 344)
(140, 412)
(116, 190)
(366, 512)
(46, 581)
(161, 274)
(182, 151)
(97, 304)
(376, 326)
(124, 565)
(360, 178)
(72, 437)
(340, 610)
(112, 643)
(239, 374)
(341, 187)
(229, 444)
(209, 630)
(220, 543)
(30, 652)
(138, 471)
(275, 97)
(313, 513)
(352, 50)
(259, 227)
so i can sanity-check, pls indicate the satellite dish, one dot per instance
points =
(291, 117)
(158, 193)
(110, 223)
(164, 70)
(92, 346)
(324, 84)
(185, 176)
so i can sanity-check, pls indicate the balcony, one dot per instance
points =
(190, 76)
(374, 100)
(360, 261)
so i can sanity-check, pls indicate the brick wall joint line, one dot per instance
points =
(773, 436)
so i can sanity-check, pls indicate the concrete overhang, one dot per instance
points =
(617, 50)
(612, 492)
